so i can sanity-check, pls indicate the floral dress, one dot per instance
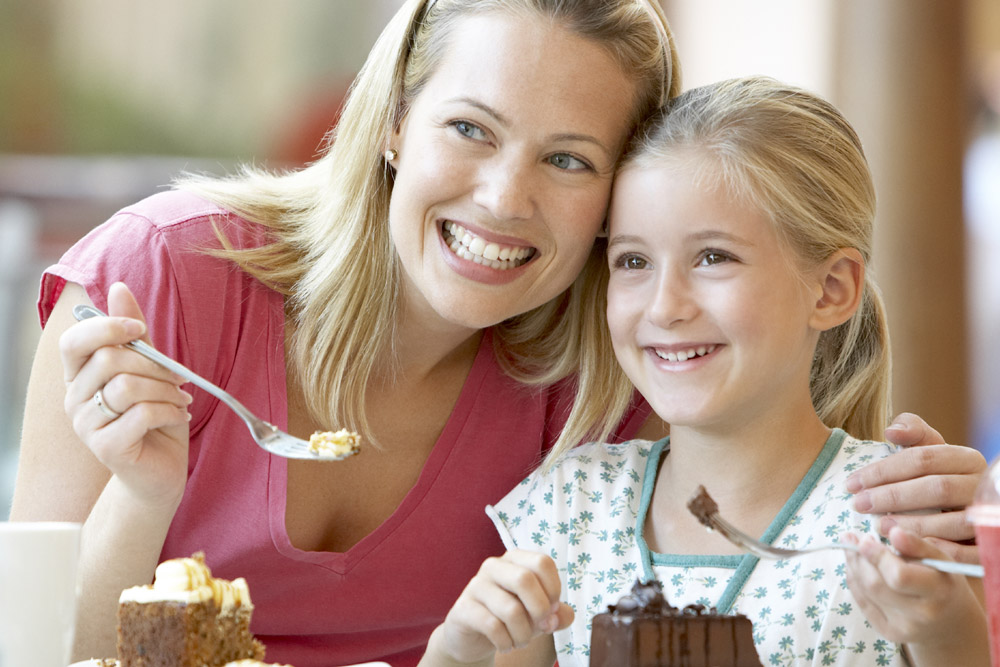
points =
(587, 513)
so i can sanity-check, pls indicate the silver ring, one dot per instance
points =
(102, 403)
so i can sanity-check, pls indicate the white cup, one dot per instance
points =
(38, 590)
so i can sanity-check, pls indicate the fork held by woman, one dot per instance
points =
(265, 434)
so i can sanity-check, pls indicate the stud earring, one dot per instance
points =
(391, 154)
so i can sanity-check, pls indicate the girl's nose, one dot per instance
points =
(505, 189)
(672, 301)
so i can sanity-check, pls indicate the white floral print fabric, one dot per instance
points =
(587, 514)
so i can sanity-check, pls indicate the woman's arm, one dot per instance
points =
(927, 475)
(122, 478)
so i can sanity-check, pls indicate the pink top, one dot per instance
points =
(380, 599)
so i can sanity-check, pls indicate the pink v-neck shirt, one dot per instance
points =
(380, 599)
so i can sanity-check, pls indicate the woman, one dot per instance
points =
(425, 281)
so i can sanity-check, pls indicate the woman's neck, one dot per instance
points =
(425, 344)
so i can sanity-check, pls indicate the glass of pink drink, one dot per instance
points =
(984, 514)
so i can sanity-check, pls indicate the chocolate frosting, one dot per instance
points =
(647, 598)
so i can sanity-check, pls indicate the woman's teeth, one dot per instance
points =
(684, 355)
(468, 246)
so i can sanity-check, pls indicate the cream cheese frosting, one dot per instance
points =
(334, 443)
(189, 580)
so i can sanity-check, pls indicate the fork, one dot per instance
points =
(267, 435)
(707, 512)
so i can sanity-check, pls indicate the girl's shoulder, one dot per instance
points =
(600, 457)
(856, 453)
(591, 474)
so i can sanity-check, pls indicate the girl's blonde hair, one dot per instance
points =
(792, 154)
(332, 255)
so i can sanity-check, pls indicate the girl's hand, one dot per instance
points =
(146, 445)
(928, 475)
(510, 601)
(934, 613)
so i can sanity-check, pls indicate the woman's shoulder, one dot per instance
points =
(171, 207)
(184, 215)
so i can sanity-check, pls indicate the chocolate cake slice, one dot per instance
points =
(643, 630)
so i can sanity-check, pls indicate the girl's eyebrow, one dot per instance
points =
(707, 235)
(623, 239)
(716, 234)
(506, 123)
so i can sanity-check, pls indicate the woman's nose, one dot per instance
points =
(505, 189)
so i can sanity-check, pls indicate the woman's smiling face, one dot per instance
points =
(504, 168)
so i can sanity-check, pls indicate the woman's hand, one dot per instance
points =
(511, 600)
(927, 475)
(141, 433)
(938, 615)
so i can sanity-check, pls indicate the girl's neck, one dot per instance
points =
(751, 471)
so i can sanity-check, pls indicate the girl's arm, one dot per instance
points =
(927, 475)
(938, 616)
(123, 478)
(510, 607)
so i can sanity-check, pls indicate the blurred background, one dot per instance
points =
(102, 102)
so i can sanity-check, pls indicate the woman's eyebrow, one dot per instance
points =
(506, 123)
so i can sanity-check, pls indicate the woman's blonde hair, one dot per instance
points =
(793, 155)
(332, 255)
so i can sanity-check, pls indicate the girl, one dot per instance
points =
(740, 305)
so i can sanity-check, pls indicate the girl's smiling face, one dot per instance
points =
(504, 168)
(708, 313)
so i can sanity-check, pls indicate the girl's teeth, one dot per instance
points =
(684, 355)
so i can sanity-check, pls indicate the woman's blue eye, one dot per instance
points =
(566, 161)
(467, 129)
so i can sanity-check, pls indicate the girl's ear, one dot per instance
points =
(842, 280)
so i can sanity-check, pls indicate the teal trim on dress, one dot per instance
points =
(745, 564)
(656, 454)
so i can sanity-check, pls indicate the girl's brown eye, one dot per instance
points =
(714, 257)
(633, 262)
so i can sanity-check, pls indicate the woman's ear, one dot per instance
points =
(842, 280)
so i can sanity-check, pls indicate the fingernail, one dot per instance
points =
(885, 525)
(863, 502)
(896, 426)
(854, 484)
(188, 398)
